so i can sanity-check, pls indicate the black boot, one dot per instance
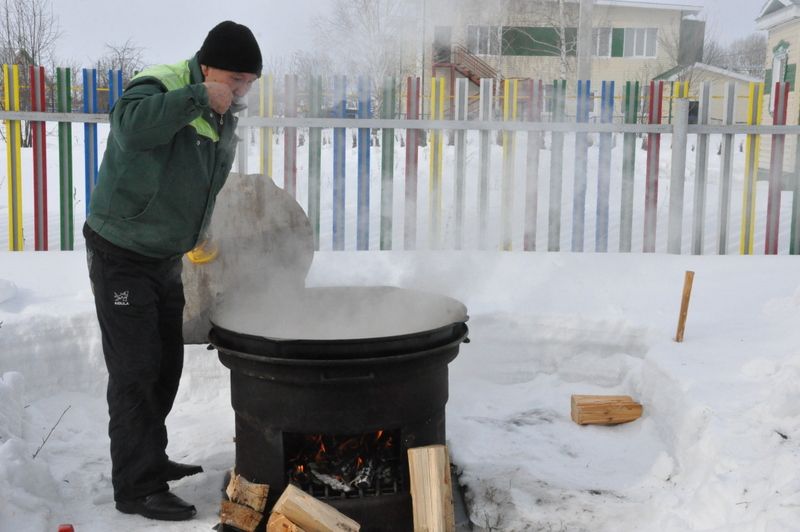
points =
(176, 471)
(163, 505)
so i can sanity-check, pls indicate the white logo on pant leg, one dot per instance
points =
(121, 298)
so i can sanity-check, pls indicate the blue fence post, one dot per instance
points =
(604, 169)
(90, 132)
(114, 87)
(581, 166)
(339, 140)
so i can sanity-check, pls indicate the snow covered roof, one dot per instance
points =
(775, 5)
(649, 5)
(674, 73)
(777, 12)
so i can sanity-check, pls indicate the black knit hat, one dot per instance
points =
(231, 46)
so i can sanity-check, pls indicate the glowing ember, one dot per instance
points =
(351, 465)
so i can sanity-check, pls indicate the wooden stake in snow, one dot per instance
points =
(431, 489)
(687, 293)
(604, 409)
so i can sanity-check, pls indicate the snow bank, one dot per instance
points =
(27, 486)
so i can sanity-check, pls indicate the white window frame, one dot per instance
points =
(779, 61)
(487, 39)
(599, 40)
(637, 41)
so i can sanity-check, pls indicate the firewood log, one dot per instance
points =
(312, 514)
(242, 491)
(604, 409)
(280, 523)
(431, 489)
(240, 516)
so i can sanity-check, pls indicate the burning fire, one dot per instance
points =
(344, 464)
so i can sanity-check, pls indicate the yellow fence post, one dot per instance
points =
(752, 146)
(13, 159)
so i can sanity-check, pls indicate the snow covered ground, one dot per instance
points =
(716, 449)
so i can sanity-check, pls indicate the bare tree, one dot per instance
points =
(28, 34)
(369, 38)
(276, 65)
(669, 44)
(747, 55)
(713, 52)
(555, 33)
(306, 64)
(126, 57)
(669, 41)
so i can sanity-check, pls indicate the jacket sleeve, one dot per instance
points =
(147, 115)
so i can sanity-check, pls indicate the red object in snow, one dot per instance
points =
(65, 528)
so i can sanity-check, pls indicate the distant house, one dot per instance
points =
(781, 20)
(506, 39)
(699, 73)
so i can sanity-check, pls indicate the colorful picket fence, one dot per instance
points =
(37, 117)
(514, 110)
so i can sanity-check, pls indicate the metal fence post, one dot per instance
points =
(680, 128)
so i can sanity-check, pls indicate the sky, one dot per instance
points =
(728, 20)
(170, 30)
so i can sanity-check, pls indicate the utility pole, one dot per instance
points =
(584, 70)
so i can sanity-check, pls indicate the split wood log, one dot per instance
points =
(604, 409)
(309, 513)
(280, 523)
(242, 491)
(431, 489)
(240, 516)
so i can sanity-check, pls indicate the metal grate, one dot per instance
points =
(381, 488)
(332, 467)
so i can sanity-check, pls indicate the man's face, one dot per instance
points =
(239, 82)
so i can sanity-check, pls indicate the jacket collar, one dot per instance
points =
(194, 70)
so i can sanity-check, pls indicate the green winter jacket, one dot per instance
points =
(167, 157)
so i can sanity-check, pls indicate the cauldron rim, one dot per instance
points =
(448, 326)
(335, 312)
(337, 349)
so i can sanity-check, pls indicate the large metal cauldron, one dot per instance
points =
(345, 383)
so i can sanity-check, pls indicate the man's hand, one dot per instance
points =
(220, 96)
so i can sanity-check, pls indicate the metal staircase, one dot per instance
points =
(460, 60)
(469, 65)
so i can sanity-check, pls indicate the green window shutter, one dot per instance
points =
(768, 81)
(529, 41)
(791, 73)
(617, 41)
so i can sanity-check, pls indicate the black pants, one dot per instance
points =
(139, 305)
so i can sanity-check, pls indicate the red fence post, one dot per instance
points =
(39, 160)
(651, 183)
(776, 169)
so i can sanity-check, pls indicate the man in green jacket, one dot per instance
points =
(169, 152)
